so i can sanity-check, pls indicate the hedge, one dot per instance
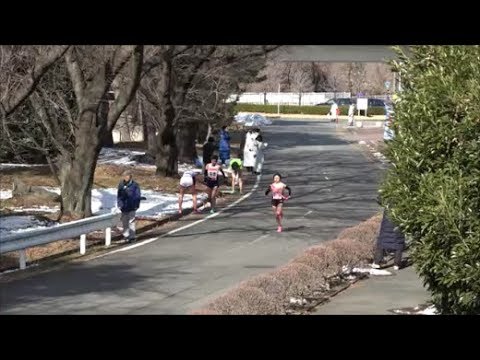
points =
(293, 109)
(433, 190)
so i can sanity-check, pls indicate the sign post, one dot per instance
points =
(362, 104)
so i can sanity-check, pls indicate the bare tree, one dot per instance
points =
(93, 72)
(21, 68)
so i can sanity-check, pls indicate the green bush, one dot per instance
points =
(432, 191)
(294, 109)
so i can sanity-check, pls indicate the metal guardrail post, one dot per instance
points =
(83, 244)
(108, 236)
(23, 259)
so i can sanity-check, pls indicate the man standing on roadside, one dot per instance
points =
(128, 201)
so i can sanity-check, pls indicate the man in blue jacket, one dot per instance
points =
(128, 201)
(224, 146)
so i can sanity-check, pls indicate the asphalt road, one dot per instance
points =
(334, 186)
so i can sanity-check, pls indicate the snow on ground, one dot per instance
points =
(375, 272)
(121, 157)
(9, 166)
(15, 224)
(5, 194)
(431, 310)
(417, 310)
(124, 157)
(40, 209)
(157, 205)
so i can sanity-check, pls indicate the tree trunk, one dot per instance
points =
(76, 174)
(186, 142)
(108, 139)
(166, 154)
(150, 136)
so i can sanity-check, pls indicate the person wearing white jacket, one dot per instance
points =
(250, 150)
(260, 146)
(334, 112)
(351, 115)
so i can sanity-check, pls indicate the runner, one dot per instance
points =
(187, 182)
(211, 180)
(236, 171)
(278, 188)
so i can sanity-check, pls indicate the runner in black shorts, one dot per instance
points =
(211, 180)
(277, 188)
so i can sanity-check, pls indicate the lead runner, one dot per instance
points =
(277, 188)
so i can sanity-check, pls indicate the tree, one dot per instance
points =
(432, 191)
(188, 88)
(21, 68)
(93, 71)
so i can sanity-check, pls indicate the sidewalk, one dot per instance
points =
(378, 295)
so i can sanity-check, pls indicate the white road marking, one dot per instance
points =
(258, 239)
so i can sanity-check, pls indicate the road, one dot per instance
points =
(333, 185)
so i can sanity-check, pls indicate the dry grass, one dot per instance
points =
(317, 265)
(243, 300)
(366, 231)
(28, 201)
(106, 176)
(273, 288)
(328, 258)
(346, 252)
(297, 278)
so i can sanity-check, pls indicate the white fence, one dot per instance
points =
(287, 98)
(290, 98)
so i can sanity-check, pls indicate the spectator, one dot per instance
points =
(224, 146)
(260, 146)
(208, 150)
(389, 239)
(351, 114)
(250, 150)
(128, 201)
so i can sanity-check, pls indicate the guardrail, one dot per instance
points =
(27, 239)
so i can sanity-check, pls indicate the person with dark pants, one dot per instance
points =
(128, 201)
(224, 145)
(208, 150)
(389, 239)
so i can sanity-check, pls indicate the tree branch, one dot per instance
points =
(76, 74)
(31, 81)
(126, 96)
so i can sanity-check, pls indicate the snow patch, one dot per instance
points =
(374, 272)
(5, 194)
(21, 223)
(10, 166)
(157, 204)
